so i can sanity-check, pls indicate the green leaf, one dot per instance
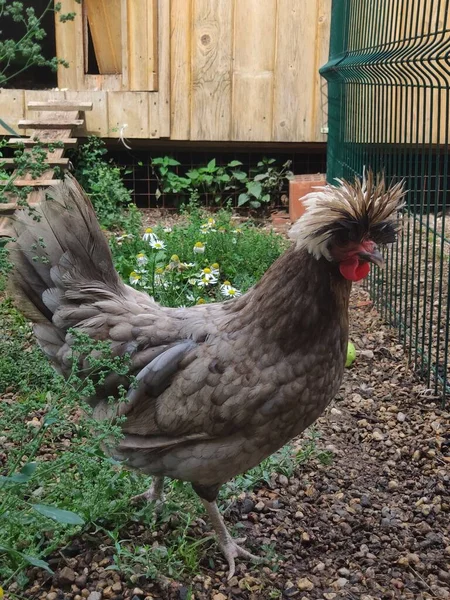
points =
(265, 198)
(37, 562)
(255, 203)
(239, 175)
(172, 162)
(25, 474)
(243, 199)
(57, 514)
(261, 177)
(211, 165)
(235, 163)
(254, 188)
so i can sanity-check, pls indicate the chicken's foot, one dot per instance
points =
(228, 545)
(153, 494)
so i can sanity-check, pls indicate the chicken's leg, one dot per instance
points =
(153, 494)
(228, 545)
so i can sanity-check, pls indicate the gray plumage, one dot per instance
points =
(220, 386)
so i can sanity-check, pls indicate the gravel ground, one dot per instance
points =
(372, 525)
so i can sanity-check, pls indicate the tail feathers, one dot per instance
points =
(59, 253)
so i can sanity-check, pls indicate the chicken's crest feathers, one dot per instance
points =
(356, 211)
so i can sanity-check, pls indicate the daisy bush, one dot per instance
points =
(204, 258)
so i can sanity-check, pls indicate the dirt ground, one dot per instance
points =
(372, 525)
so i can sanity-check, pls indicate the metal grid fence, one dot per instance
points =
(389, 108)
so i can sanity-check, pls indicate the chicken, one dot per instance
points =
(221, 386)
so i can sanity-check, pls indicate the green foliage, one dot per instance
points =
(19, 55)
(202, 259)
(102, 181)
(28, 162)
(258, 189)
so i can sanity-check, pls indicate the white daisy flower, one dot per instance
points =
(206, 279)
(141, 259)
(215, 269)
(157, 244)
(199, 248)
(149, 236)
(134, 278)
(167, 229)
(229, 291)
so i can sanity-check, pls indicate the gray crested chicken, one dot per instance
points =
(220, 386)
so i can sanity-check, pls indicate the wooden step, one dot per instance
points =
(60, 105)
(68, 142)
(11, 163)
(41, 124)
(32, 182)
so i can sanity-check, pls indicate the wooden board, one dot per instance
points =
(68, 142)
(95, 121)
(104, 19)
(43, 124)
(69, 46)
(54, 162)
(253, 74)
(294, 71)
(211, 70)
(180, 69)
(12, 109)
(164, 28)
(59, 105)
(142, 37)
(128, 111)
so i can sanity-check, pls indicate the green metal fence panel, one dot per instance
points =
(389, 108)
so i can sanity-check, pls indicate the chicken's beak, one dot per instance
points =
(374, 256)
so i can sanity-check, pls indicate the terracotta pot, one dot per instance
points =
(299, 186)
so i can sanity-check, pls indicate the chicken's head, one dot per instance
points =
(346, 224)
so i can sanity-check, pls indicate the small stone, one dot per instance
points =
(340, 583)
(283, 480)
(219, 596)
(393, 485)
(81, 581)
(138, 592)
(52, 595)
(365, 501)
(344, 572)
(401, 417)
(319, 567)
(66, 576)
(377, 435)
(305, 585)
(117, 587)
(329, 596)
(260, 506)
(367, 353)
(94, 596)
(416, 455)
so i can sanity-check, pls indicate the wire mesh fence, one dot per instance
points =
(389, 108)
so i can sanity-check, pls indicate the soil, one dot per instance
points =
(371, 525)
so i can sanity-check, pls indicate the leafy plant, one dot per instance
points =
(16, 56)
(102, 181)
(258, 188)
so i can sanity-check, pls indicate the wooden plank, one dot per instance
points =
(12, 162)
(211, 70)
(41, 124)
(104, 18)
(33, 182)
(68, 142)
(253, 75)
(294, 71)
(153, 115)
(12, 109)
(95, 121)
(180, 69)
(142, 44)
(62, 105)
(69, 46)
(129, 112)
(164, 67)
(320, 106)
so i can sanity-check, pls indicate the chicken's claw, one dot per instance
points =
(232, 550)
(153, 494)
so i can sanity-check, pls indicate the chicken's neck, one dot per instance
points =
(298, 296)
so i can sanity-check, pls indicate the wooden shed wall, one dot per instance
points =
(226, 70)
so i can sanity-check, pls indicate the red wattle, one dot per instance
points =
(354, 270)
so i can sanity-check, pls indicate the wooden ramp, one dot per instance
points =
(55, 122)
